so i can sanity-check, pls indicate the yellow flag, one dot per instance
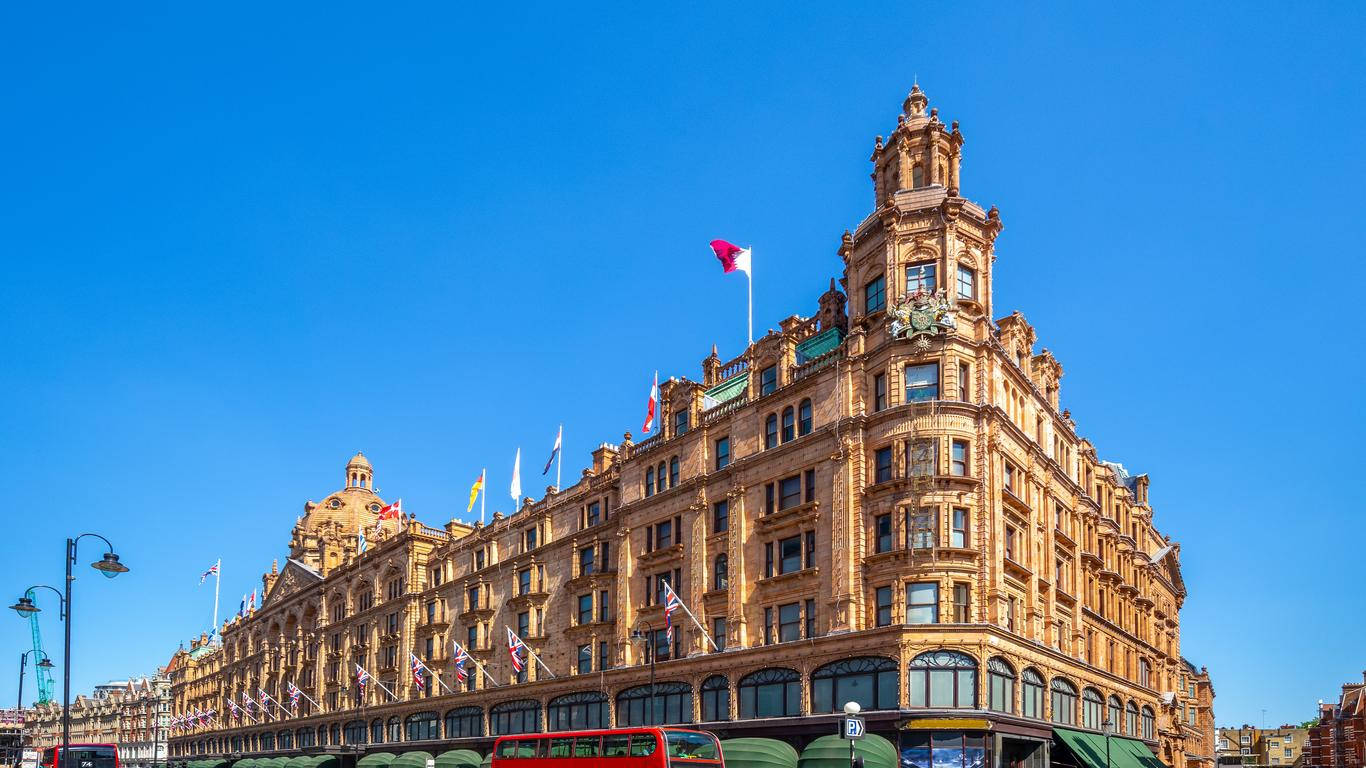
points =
(474, 492)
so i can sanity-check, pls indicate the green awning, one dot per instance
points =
(415, 759)
(729, 389)
(832, 751)
(758, 753)
(249, 762)
(302, 761)
(1090, 749)
(487, 761)
(819, 344)
(272, 762)
(459, 758)
(376, 760)
(325, 761)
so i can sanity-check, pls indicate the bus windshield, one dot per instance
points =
(691, 745)
(84, 756)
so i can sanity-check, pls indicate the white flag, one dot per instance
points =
(517, 480)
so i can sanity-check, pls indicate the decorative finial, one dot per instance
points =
(877, 143)
(915, 103)
(713, 350)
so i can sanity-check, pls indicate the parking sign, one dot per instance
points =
(853, 728)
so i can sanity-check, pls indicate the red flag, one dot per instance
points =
(732, 256)
(391, 511)
(651, 405)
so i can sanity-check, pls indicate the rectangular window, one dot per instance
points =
(810, 549)
(921, 458)
(768, 559)
(523, 624)
(789, 622)
(809, 615)
(479, 560)
(1010, 478)
(875, 295)
(882, 533)
(604, 605)
(958, 533)
(882, 465)
(879, 392)
(958, 464)
(789, 492)
(921, 277)
(604, 661)
(473, 598)
(680, 423)
(770, 501)
(586, 609)
(921, 527)
(768, 380)
(585, 561)
(530, 539)
(922, 382)
(431, 611)
(922, 602)
(722, 452)
(768, 626)
(524, 581)
(967, 283)
(964, 382)
(882, 598)
(962, 594)
(664, 537)
(720, 516)
(718, 632)
(1010, 542)
(593, 515)
(790, 554)
(585, 659)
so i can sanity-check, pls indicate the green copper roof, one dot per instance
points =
(819, 344)
(729, 389)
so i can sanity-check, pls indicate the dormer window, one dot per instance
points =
(768, 380)
(680, 423)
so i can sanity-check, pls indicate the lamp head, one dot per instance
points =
(851, 708)
(44, 663)
(25, 607)
(110, 565)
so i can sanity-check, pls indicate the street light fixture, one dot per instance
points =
(108, 565)
(1109, 728)
(647, 642)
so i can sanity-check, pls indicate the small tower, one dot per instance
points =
(359, 473)
(920, 153)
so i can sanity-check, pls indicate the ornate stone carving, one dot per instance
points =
(920, 317)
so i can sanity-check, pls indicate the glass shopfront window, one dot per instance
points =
(943, 749)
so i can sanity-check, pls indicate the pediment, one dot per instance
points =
(295, 578)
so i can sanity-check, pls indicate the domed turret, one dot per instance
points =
(358, 472)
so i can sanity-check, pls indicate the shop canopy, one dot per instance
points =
(376, 760)
(414, 759)
(1090, 750)
(758, 753)
(832, 751)
(459, 758)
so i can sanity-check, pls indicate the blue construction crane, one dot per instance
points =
(42, 674)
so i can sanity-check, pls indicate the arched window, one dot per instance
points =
(649, 482)
(303, 737)
(285, 739)
(872, 681)
(770, 431)
(1114, 713)
(521, 716)
(1145, 672)
(720, 572)
(943, 679)
(1149, 723)
(377, 731)
(673, 471)
(715, 699)
(1000, 685)
(268, 740)
(354, 732)
(1131, 719)
(772, 692)
(334, 734)
(672, 703)
(789, 424)
(660, 477)
(422, 726)
(1031, 694)
(463, 722)
(1091, 707)
(395, 729)
(1064, 701)
(804, 417)
(578, 711)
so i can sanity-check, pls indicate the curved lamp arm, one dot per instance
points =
(61, 601)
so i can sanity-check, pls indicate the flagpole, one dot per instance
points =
(483, 492)
(217, 582)
(559, 456)
(423, 664)
(749, 286)
(310, 698)
(705, 633)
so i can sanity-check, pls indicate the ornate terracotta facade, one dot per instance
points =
(884, 497)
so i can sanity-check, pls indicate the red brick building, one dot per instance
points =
(1339, 740)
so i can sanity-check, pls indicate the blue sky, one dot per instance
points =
(238, 246)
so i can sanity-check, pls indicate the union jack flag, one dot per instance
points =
(294, 692)
(459, 661)
(265, 700)
(671, 604)
(232, 707)
(246, 702)
(213, 570)
(515, 648)
(418, 667)
(362, 677)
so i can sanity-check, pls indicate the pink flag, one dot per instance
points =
(732, 256)
(651, 405)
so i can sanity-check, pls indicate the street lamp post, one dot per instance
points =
(43, 663)
(110, 566)
(1109, 728)
(647, 641)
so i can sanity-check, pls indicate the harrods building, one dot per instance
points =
(882, 502)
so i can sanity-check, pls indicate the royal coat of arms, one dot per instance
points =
(920, 317)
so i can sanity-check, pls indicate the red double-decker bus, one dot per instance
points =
(615, 748)
(83, 756)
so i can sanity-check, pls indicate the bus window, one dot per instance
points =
(586, 746)
(507, 748)
(528, 747)
(690, 745)
(615, 745)
(561, 747)
(642, 744)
